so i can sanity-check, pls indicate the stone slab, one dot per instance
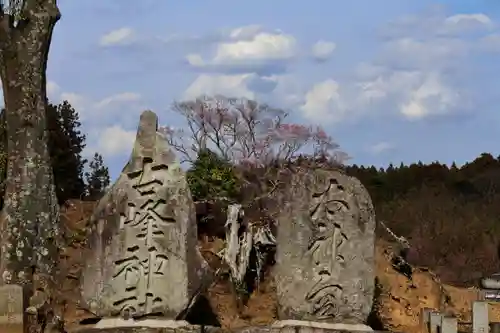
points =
(119, 325)
(425, 317)
(435, 320)
(480, 322)
(491, 282)
(276, 328)
(290, 326)
(449, 325)
(11, 309)
(325, 268)
(142, 256)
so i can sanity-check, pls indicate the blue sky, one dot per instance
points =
(403, 81)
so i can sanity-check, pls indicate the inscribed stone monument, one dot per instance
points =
(143, 257)
(325, 249)
(11, 309)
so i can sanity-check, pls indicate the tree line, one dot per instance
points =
(449, 214)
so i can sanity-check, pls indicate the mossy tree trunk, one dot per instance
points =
(30, 232)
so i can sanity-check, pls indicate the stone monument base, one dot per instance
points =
(119, 325)
(116, 325)
(300, 326)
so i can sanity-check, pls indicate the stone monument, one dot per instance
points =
(142, 260)
(325, 251)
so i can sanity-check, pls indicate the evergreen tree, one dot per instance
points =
(66, 143)
(97, 178)
(211, 177)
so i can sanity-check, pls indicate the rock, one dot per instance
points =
(325, 249)
(142, 256)
(11, 308)
(491, 282)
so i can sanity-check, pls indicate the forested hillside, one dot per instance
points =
(449, 214)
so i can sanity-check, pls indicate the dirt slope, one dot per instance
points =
(402, 299)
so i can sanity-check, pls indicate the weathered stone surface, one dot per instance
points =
(143, 257)
(249, 329)
(325, 248)
(293, 326)
(119, 325)
(490, 282)
(146, 329)
(11, 308)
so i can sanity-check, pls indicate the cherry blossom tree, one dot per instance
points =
(246, 132)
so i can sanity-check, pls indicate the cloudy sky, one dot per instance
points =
(390, 80)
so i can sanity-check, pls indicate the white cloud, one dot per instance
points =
(120, 36)
(387, 84)
(227, 85)
(248, 47)
(411, 76)
(98, 112)
(284, 91)
(115, 141)
(263, 46)
(322, 50)
(415, 94)
(436, 52)
(323, 102)
(118, 98)
(423, 57)
(464, 22)
(380, 148)
(195, 60)
(437, 23)
(433, 40)
(431, 97)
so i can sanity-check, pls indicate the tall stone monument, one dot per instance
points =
(325, 251)
(143, 259)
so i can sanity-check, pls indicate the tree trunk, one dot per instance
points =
(29, 232)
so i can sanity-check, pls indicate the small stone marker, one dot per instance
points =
(449, 325)
(480, 322)
(11, 308)
(435, 320)
(425, 314)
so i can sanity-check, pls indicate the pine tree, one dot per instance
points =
(97, 178)
(66, 143)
